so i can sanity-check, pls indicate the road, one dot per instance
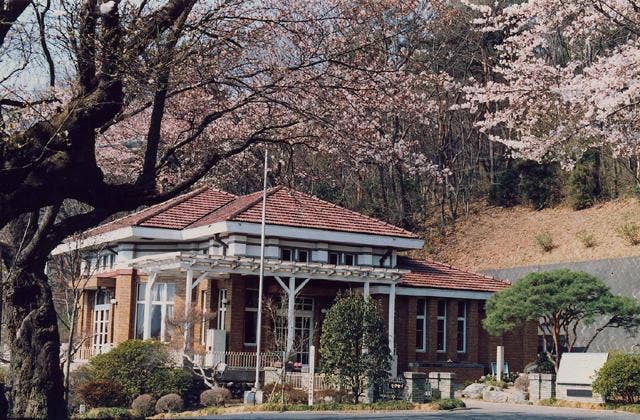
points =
(475, 410)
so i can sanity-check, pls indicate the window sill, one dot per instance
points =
(421, 351)
(250, 344)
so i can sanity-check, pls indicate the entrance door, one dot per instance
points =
(101, 321)
(303, 328)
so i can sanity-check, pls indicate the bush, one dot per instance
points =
(587, 239)
(215, 396)
(630, 232)
(141, 367)
(619, 379)
(449, 404)
(102, 393)
(273, 393)
(170, 403)
(3, 375)
(545, 241)
(144, 404)
(108, 413)
(522, 382)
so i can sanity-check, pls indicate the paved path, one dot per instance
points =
(475, 410)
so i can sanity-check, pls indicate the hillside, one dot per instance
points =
(494, 237)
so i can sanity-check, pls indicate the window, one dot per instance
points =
(250, 316)
(302, 255)
(294, 254)
(222, 308)
(162, 295)
(462, 327)
(341, 258)
(442, 326)
(421, 325)
(349, 259)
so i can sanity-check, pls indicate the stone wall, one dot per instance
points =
(542, 386)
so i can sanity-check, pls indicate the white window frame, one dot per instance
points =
(164, 303)
(295, 253)
(222, 309)
(249, 309)
(422, 318)
(442, 318)
(342, 258)
(462, 319)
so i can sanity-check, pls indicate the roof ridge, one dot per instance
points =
(158, 206)
(251, 203)
(353, 211)
(175, 201)
(209, 188)
(457, 268)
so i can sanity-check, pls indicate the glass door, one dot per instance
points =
(101, 322)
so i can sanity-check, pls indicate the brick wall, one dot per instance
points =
(520, 345)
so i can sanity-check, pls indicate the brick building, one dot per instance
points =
(207, 242)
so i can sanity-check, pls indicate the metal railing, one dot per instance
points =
(239, 359)
(300, 380)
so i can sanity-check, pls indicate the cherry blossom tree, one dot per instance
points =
(119, 104)
(566, 78)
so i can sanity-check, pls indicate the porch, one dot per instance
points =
(225, 288)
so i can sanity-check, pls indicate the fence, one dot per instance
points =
(239, 359)
(300, 380)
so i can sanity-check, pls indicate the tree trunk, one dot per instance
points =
(35, 375)
(70, 349)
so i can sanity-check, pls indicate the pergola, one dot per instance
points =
(197, 267)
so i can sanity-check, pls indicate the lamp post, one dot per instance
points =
(261, 278)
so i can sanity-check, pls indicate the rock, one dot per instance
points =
(495, 396)
(458, 394)
(474, 390)
(517, 397)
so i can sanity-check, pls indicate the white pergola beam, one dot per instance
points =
(281, 283)
(301, 286)
(199, 279)
(187, 306)
(291, 314)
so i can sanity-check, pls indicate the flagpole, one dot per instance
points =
(261, 279)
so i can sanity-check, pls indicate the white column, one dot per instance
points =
(392, 318)
(499, 362)
(366, 290)
(312, 373)
(187, 307)
(146, 326)
(291, 321)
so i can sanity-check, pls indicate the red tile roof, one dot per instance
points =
(176, 213)
(288, 207)
(427, 273)
(285, 207)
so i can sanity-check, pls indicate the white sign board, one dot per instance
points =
(580, 368)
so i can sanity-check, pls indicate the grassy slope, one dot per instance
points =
(496, 238)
